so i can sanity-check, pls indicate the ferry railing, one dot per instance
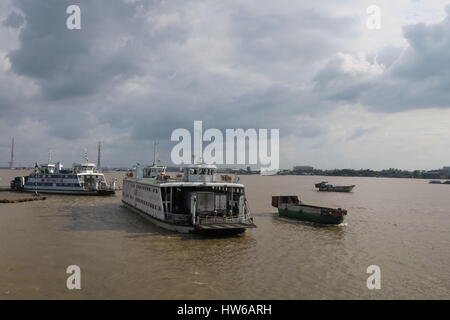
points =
(178, 218)
(218, 219)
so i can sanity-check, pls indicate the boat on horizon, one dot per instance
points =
(196, 203)
(269, 172)
(325, 186)
(292, 207)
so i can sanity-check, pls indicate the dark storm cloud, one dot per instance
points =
(67, 63)
(301, 37)
(14, 20)
(137, 70)
(169, 51)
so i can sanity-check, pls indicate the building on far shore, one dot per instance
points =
(446, 169)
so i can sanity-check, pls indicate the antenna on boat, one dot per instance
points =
(49, 156)
(86, 155)
(155, 151)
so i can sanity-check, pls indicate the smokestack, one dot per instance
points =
(11, 163)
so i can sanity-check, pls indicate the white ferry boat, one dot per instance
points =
(268, 172)
(82, 179)
(195, 203)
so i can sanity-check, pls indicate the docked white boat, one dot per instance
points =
(82, 179)
(195, 203)
(269, 172)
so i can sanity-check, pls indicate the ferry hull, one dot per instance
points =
(160, 223)
(207, 230)
(305, 215)
(337, 189)
(73, 192)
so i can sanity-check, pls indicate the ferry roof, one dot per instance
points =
(199, 184)
(180, 183)
(200, 166)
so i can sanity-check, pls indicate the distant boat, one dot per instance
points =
(292, 207)
(82, 179)
(268, 172)
(325, 186)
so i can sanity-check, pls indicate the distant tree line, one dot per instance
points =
(389, 173)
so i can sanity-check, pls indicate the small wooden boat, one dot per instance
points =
(292, 207)
(325, 186)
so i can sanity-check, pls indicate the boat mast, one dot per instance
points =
(155, 151)
(99, 155)
(49, 156)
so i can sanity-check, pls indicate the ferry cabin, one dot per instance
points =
(196, 203)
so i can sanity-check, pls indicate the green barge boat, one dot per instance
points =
(292, 207)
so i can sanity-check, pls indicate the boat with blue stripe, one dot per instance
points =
(82, 179)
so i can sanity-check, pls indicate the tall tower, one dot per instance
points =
(99, 156)
(11, 163)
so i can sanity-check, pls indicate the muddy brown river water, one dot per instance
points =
(400, 225)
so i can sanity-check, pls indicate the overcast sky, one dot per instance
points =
(342, 95)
